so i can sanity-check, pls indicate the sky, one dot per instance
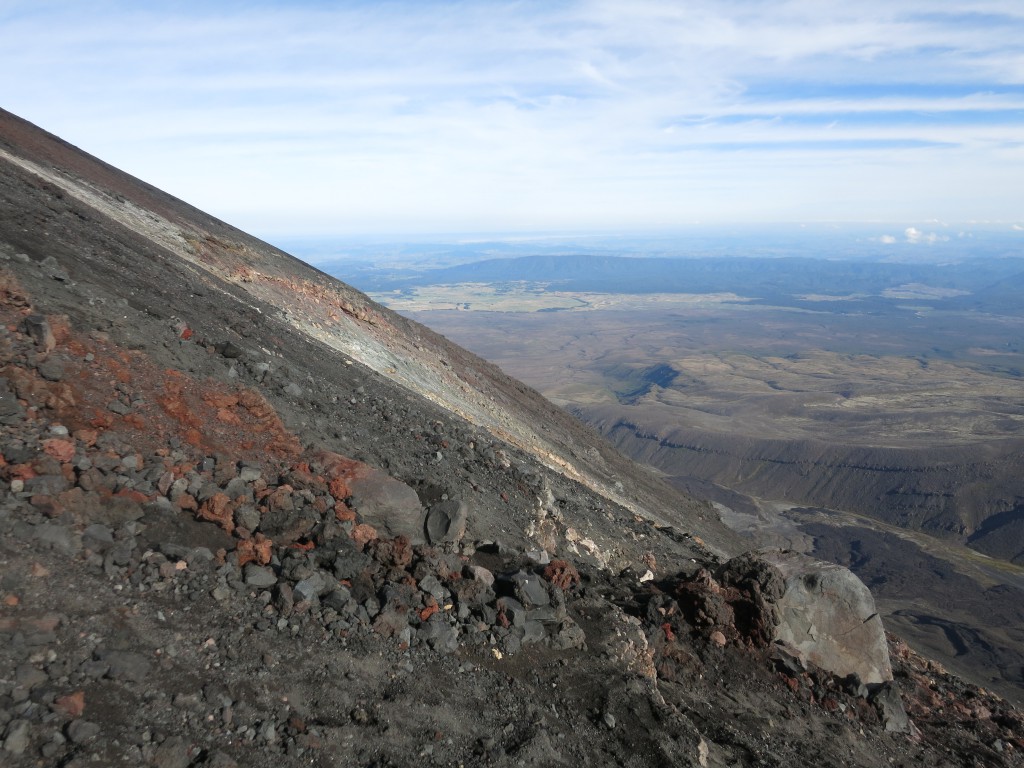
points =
(342, 118)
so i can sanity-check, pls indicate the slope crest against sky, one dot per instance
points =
(355, 117)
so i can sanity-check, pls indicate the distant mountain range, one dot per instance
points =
(789, 281)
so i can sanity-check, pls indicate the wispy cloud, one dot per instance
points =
(314, 116)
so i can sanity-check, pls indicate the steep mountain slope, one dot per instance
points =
(247, 516)
(275, 291)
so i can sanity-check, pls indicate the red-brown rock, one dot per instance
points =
(61, 449)
(217, 509)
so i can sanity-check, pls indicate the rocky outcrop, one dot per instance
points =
(818, 613)
(825, 613)
(390, 506)
(821, 612)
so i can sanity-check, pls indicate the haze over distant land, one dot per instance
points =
(895, 242)
(321, 118)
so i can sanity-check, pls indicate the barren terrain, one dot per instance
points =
(912, 417)
(924, 427)
(249, 517)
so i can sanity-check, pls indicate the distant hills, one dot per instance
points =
(797, 281)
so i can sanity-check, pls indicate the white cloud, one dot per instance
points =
(887, 239)
(914, 235)
(594, 113)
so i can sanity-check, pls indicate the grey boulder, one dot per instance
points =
(828, 615)
(446, 521)
(390, 506)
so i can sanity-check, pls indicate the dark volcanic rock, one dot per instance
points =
(125, 665)
(446, 521)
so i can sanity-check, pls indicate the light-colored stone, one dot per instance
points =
(38, 327)
(481, 574)
(18, 735)
(259, 576)
(82, 731)
(828, 615)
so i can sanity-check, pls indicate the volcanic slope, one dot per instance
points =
(249, 517)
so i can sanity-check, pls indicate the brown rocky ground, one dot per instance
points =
(199, 568)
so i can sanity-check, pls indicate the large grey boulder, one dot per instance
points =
(828, 615)
(390, 506)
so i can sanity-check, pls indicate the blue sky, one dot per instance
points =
(321, 118)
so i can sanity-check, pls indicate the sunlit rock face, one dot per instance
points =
(829, 616)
